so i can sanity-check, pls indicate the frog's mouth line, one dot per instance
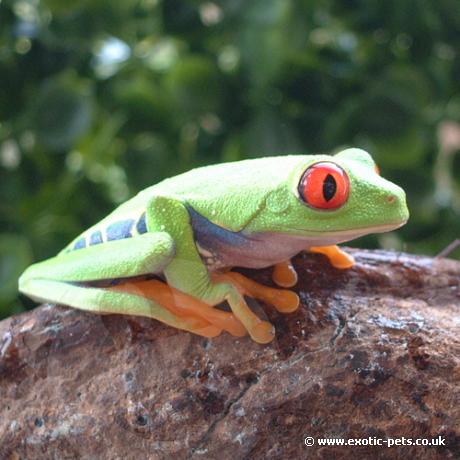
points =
(348, 234)
(373, 229)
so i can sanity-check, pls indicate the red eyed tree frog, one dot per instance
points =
(189, 230)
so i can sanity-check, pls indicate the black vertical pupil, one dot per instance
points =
(329, 187)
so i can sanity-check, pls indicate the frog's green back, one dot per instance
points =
(232, 193)
(218, 191)
(262, 195)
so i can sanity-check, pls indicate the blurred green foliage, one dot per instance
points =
(99, 99)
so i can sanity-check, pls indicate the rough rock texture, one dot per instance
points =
(372, 352)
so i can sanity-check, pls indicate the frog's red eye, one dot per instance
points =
(324, 186)
(377, 169)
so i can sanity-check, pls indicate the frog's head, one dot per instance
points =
(335, 198)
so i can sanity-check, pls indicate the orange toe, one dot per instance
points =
(263, 332)
(208, 331)
(284, 274)
(338, 258)
(283, 300)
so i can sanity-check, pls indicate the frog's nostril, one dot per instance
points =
(391, 199)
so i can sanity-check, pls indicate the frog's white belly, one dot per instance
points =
(261, 250)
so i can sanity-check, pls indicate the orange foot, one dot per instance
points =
(283, 300)
(337, 257)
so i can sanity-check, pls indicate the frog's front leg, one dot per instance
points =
(188, 273)
(285, 301)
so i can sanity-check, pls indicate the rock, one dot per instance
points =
(373, 352)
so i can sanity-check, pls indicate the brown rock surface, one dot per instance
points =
(372, 352)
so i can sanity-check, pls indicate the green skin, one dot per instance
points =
(257, 198)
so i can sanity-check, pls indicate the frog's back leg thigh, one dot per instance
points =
(140, 255)
(101, 300)
(57, 280)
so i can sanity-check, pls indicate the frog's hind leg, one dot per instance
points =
(69, 279)
(182, 305)
(111, 301)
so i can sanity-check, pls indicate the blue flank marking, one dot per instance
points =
(120, 230)
(95, 238)
(80, 244)
(211, 236)
(141, 225)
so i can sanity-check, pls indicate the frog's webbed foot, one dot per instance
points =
(285, 301)
(337, 257)
(200, 318)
